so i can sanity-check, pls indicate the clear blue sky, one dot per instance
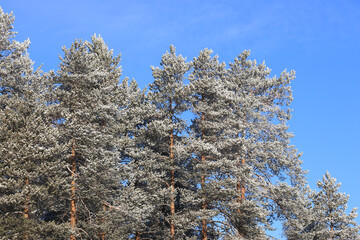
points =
(320, 40)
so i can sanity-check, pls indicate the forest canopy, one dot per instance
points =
(203, 152)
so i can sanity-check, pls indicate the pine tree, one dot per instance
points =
(14, 59)
(330, 206)
(207, 105)
(151, 205)
(87, 113)
(321, 215)
(299, 216)
(166, 143)
(258, 149)
(135, 208)
(28, 149)
(241, 144)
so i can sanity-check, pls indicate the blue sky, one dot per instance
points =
(318, 39)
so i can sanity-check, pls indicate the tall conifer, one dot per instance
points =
(135, 208)
(166, 133)
(320, 215)
(258, 146)
(330, 206)
(207, 105)
(28, 149)
(87, 109)
(241, 144)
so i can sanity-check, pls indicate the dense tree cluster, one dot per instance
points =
(203, 153)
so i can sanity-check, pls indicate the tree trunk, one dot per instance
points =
(102, 234)
(172, 187)
(73, 191)
(26, 206)
(137, 237)
(241, 190)
(238, 188)
(331, 230)
(138, 233)
(204, 205)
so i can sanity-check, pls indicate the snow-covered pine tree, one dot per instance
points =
(241, 145)
(330, 206)
(28, 150)
(135, 208)
(87, 112)
(299, 221)
(258, 151)
(320, 216)
(207, 101)
(167, 142)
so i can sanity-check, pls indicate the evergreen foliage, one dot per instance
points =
(168, 144)
(135, 208)
(203, 153)
(86, 108)
(330, 205)
(259, 150)
(28, 146)
(321, 215)
(207, 105)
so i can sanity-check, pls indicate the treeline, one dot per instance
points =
(203, 153)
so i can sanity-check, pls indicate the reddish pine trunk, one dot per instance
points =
(73, 191)
(204, 205)
(172, 187)
(172, 182)
(238, 188)
(331, 228)
(241, 190)
(137, 237)
(243, 185)
(26, 205)
(102, 234)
